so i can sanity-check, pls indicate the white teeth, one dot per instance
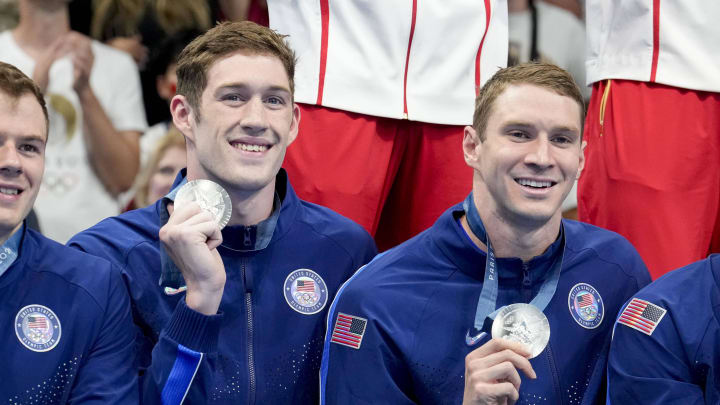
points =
(533, 183)
(251, 148)
(8, 191)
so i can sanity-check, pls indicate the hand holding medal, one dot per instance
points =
(191, 237)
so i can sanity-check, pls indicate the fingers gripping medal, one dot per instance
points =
(210, 196)
(522, 323)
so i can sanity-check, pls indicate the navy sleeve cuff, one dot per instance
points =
(194, 330)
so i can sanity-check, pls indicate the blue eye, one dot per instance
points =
(275, 100)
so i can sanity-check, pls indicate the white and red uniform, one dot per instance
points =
(653, 156)
(385, 89)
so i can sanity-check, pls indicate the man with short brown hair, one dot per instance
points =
(413, 325)
(68, 335)
(235, 316)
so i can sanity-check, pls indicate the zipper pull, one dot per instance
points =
(247, 241)
(526, 275)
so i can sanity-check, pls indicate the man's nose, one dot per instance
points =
(9, 159)
(254, 119)
(539, 153)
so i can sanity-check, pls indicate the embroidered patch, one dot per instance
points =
(586, 305)
(348, 330)
(305, 291)
(38, 328)
(642, 315)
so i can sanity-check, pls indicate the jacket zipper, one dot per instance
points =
(527, 283)
(407, 59)
(250, 333)
(554, 373)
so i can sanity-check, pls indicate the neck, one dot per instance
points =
(251, 208)
(512, 238)
(5, 234)
(41, 25)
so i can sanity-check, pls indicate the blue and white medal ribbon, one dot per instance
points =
(486, 307)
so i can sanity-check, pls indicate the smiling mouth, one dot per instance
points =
(247, 147)
(9, 191)
(535, 184)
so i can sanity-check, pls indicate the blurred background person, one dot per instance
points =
(96, 116)
(156, 178)
(653, 127)
(162, 67)
(140, 28)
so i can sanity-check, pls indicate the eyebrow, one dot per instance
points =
(240, 86)
(525, 125)
(25, 138)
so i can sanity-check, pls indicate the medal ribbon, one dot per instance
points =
(488, 295)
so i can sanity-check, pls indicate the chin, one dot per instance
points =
(535, 215)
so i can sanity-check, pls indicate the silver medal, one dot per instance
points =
(210, 196)
(522, 323)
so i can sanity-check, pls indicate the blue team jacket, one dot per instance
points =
(266, 344)
(66, 329)
(411, 308)
(677, 361)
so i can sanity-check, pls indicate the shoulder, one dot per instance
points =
(107, 55)
(328, 224)
(588, 242)
(65, 267)
(115, 237)
(404, 273)
(687, 289)
(112, 64)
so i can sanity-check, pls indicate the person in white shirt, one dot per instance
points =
(96, 116)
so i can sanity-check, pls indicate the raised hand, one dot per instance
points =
(191, 237)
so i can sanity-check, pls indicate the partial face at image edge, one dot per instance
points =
(23, 135)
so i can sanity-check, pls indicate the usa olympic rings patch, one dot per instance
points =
(38, 328)
(586, 305)
(305, 291)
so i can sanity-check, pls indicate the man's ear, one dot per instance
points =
(182, 115)
(581, 166)
(471, 147)
(295, 124)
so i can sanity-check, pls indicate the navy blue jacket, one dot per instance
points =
(677, 361)
(419, 300)
(66, 328)
(265, 345)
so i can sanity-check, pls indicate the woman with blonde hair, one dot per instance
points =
(156, 178)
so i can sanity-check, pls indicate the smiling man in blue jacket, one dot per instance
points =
(67, 332)
(412, 326)
(238, 314)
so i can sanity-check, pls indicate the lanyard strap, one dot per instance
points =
(10, 250)
(488, 296)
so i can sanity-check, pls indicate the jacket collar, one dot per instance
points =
(455, 243)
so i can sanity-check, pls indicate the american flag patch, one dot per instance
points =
(642, 315)
(37, 322)
(306, 286)
(348, 330)
(585, 300)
